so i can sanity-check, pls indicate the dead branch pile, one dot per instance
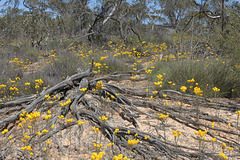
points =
(129, 103)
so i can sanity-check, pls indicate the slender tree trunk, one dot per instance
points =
(222, 15)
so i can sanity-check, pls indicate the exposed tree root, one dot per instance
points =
(123, 102)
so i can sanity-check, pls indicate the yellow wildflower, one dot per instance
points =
(99, 85)
(116, 130)
(4, 131)
(80, 122)
(191, 80)
(69, 120)
(183, 88)
(83, 89)
(45, 131)
(102, 58)
(133, 142)
(222, 155)
(223, 145)
(198, 91)
(213, 139)
(215, 89)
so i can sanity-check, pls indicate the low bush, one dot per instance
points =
(207, 74)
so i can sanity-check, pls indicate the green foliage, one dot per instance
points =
(30, 53)
(231, 38)
(63, 66)
(116, 65)
(208, 74)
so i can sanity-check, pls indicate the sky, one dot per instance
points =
(91, 4)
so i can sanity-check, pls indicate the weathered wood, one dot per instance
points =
(66, 84)
(125, 104)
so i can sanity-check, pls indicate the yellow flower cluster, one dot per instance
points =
(212, 125)
(20, 62)
(23, 113)
(103, 118)
(148, 71)
(38, 83)
(2, 86)
(97, 156)
(48, 142)
(191, 80)
(102, 58)
(215, 89)
(98, 146)
(120, 157)
(61, 117)
(213, 139)
(48, 116)
(47, 97)
(20, 125)
(66, 103)
(158, 83)
(33, 116)
(96, 129)
(97, 64)
(238, 112)
(166, 103)
(183, 88)
(133, 142)
(201, 133)
(146, 137)
(198, 91)
(27, 84)
(26, 136)
(116, 130)
(230, 148)
(224, 146)
(154, 92)
(80, 122)
(24, 140)
(29, 148)
(38, 133)
(222, 155)
(99, 85)
(4, 131)
(15, 60)
(160, 77)
(83, 89)
(45, 131)
(69, 120)
(176, 133)
(110, 144)
(133, 78)
(162, 116)
(13, 89)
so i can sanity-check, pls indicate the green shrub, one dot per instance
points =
(116, 64)
(208, 74)
(64, 65)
